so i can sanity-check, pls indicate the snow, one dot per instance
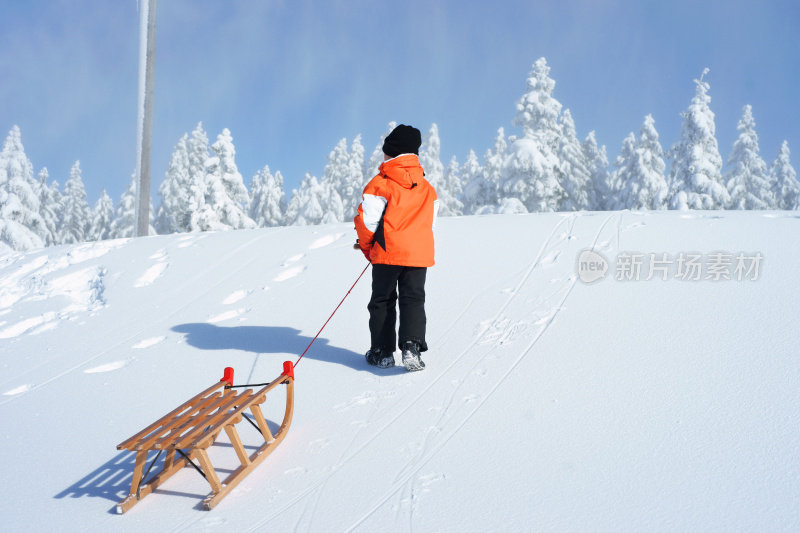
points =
(546, 404)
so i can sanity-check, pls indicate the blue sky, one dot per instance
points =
(289, 79)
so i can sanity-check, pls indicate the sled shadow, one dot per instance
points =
(112, 481)
(262, 340)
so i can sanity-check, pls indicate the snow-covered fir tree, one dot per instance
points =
(355, 180)
(226, 199)
(268, 199)
(493, 168)
(624, 171)
(124, 223)
(642, 184)
(21, 226)
(532, 170)
(478, 191)
(344, 175)
(74, 209)
(102, 218)
(198, 154)
(453, 188)
(600, 189)
(786, 188)
(575, 175)
(376, 159)
(49, 207)
(747, 177)
(695, 178)
(175, 212)
(430, 159)
(305, 206)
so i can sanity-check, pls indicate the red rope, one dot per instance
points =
(334, 312)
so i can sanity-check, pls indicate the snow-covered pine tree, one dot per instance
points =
(494, 163)
(624, 171)
(268, 199)
(174, 214)
(600, 190)
(376, 159)
(575, 175)
(124, 223)
(784, 180)
(332, 204)
(643, 185)
(305, 206)
(337, 180)
(747, 177)
(453, 189)
(430, 159)
(478, 191)
(198, 154)
(21, 226)
(227, 198)
(695, 178)
(531, 173)
(49, 207)
(74, 208)
(355, 180)
(102, 218)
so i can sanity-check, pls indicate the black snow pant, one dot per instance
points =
(387, 281)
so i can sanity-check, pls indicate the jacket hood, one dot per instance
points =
(404, 169)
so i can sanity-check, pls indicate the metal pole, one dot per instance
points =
(147, 20)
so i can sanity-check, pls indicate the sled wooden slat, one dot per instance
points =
(175, 412)
(177, 425)
(194, 426)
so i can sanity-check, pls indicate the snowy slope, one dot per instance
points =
(547, 403)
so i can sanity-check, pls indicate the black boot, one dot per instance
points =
(411, 358)
(379, 358)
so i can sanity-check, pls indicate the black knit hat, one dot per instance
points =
(403, 140)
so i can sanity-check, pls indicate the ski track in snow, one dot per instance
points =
(435, 438)
(350, 453)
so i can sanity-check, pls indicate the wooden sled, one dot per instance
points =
(190, 429)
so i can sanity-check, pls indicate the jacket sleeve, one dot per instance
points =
(370, 211)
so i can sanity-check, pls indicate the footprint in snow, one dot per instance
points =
(147, 343)
(293, 259)
(234, 297)
(108, 367)
(18, 390)
(159, 255)
(228, 315)
(290, 273)
(151, 275)
(325, 241)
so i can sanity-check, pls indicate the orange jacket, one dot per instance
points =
(397, 214)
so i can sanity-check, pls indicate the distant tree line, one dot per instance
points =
(545, 169)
